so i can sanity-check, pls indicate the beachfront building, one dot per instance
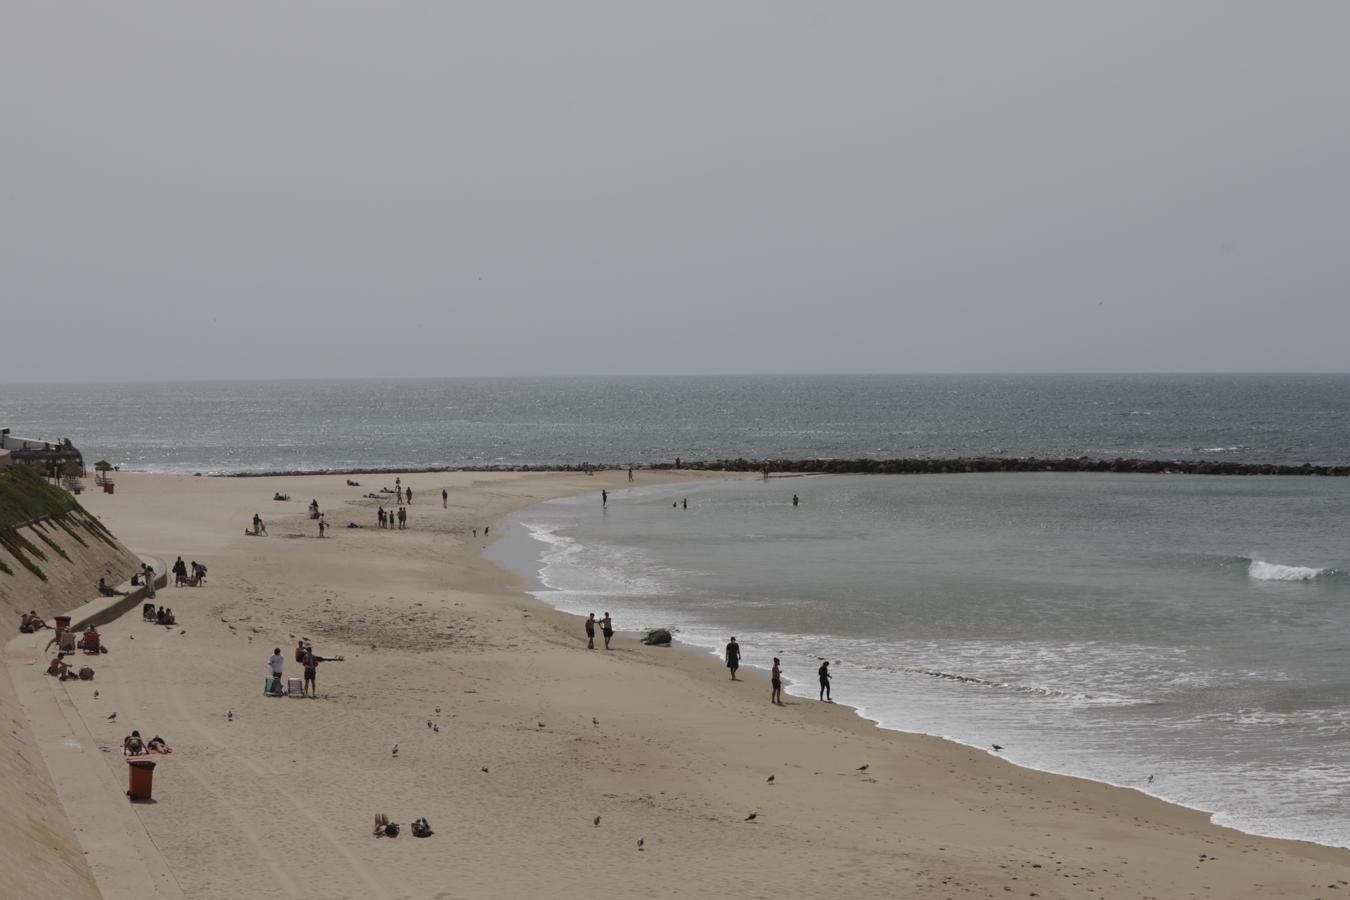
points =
(53, 458)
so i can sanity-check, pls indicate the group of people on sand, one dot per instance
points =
(161, 616)
(388, 517)
(606, 629)
(308, 660)
(133, 745)
(192, 576)
(733, 660)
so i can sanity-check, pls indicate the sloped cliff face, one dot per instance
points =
(40, 857)
(52, 550)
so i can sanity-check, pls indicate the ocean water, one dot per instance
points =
(302, 425)
(1108, 626)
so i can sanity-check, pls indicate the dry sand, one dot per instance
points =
(278, 801)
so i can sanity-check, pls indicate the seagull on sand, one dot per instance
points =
(595, 721)
(484, 768)
(770, 780)
(396, 749)
(95, 695)
(641, 842)
(752, 817)
(864, 767)
(597, 821)
(229, 716)
(112, 717)
(1150, 779)
(541, 724)
(438, 710)
(428, 723)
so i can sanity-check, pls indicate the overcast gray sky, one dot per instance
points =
(265, 189)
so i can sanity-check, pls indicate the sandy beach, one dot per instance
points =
(532, 737)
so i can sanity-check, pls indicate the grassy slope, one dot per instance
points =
(24, 496)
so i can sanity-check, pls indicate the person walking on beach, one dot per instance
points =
(604, 499)
(445, 499)
(323, 526)
(794, 500)
(684, 504)
(402, 517)
(824, 674)
(630, 474)
(407, 495)
(381, 516)
(607, 629)
(776, 682)
(733, 657)
(590, 632)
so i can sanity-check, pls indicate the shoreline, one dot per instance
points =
(535, 585)
(673, 753)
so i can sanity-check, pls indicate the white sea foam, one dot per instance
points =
(1266, 571)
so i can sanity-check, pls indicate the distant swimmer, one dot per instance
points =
(776, 682)
(824, 674)
(795, 501)
(733, 657)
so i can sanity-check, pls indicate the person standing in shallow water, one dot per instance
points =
(733, 657)
(825, 681)
(776, 682)
(794, 499)
(607, 629)
(590, 632)
(604, 499)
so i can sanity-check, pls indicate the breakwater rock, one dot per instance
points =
(1007, 464)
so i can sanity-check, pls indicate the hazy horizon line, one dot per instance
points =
(688, 375)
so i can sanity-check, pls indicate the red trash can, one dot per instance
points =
(108, 487)
(142, 779)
